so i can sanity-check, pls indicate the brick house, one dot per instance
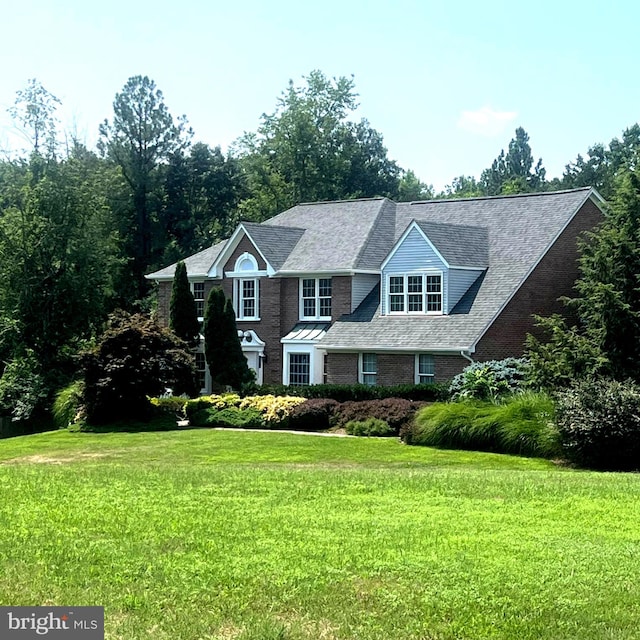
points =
(389, 293)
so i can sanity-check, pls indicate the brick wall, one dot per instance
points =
(342, 368)
(340, 296)
(164, 302)
(244, 246)
(553, 277)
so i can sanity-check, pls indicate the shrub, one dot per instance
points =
(275, 410)
(134, 359)
(313, 414)
(396, 412)
(67, 404)
(229, 417)
(368, 427)
(356, 392)
(489, 380)
(599, 424)
(521, 425)
(173, 406)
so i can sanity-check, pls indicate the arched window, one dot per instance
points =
(245, 289)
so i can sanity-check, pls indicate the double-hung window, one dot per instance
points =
(315, 299)
(368, 368)
(246, 296)
(425, 369)
(197, 289)
(415, 293)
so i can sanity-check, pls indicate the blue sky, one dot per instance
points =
(446, 83)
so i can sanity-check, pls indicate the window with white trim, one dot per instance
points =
(425, 368)
(315, 298)
(414, 293)
(299, 369)
(368, 368)
(246, 298)
(197, 288)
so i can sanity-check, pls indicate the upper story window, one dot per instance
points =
(246, 289)
(415, 293)
(315, 299)
(197, 288)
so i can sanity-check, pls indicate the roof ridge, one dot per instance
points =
(504, 196)
(299, 204)
(264, 224)
(367, 242)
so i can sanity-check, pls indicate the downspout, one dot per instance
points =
(466, 356)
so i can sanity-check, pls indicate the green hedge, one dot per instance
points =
(356, 392)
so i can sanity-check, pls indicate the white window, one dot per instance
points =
(315, 298)
(415, 293)
(299, 369)
(368, 368)
(246, 298)
(197, 288)
(425, 369)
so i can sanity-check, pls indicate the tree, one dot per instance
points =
(514, 172)
(307, 150)
(226, 362)
(604, 338)
(411, 189)
(134, 359)
(183, 316)
(141, 135)
(202, 190)
(34, 113)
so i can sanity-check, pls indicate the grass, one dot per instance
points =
(203, 534)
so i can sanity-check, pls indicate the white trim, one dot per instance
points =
(245, 274)
(317, 298)
(588, 196)
(216, 268)
(316, 360)
(470, 268)
(412, 225)
(298, 273)
(238, 298)
(362, 373)
(417, 373)
(406, 275)
(453, 351)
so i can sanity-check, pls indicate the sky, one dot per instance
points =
(445, 83)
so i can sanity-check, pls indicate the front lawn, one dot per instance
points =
(203, 534)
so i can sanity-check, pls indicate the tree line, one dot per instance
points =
(80, 227)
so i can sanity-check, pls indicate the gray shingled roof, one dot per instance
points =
(459, 245)
(520, 231)
(337, 234)
(275, 243)
(198, 265)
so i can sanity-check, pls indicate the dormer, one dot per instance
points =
(431, 267)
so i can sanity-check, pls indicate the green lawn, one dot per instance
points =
(202, 534)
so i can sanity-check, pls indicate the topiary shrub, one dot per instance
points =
(522, 425)
(172, 405)
(396, 412)
(313, 415)
(599, 424)
(490, 380)
(134, 359)
(368, 427)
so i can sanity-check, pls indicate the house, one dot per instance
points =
(389, 293)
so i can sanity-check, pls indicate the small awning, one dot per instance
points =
(307, 331)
